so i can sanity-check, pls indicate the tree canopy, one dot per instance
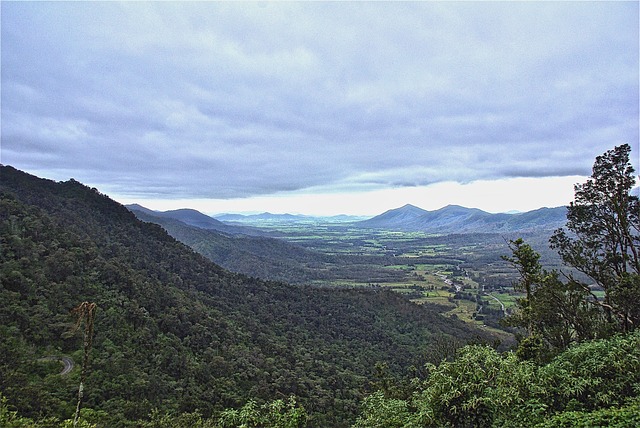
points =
(602, 241)
(602, 236)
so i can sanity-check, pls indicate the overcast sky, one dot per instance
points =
(319, 108)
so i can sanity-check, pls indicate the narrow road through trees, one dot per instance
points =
(67, 362)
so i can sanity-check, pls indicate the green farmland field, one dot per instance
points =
(456, 271)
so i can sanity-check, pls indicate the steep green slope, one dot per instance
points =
(174, 331)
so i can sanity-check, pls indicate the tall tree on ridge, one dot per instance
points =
(602, 236)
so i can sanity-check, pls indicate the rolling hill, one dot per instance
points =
(189, 216)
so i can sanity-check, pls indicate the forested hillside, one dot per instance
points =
(176, 332)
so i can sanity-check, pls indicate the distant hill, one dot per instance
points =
(197, 219)
(266, 216)
(284, 218)
(395, 219)
(457, 219)
(185, 215)
(175, 331)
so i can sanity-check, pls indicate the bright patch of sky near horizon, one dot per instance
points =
(319, 108)
(516, 194)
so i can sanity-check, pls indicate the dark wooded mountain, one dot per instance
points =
(457, 219)
(175, 331)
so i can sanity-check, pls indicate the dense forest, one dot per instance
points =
(174, 332)
(180, 342)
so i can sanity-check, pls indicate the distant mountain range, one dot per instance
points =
(409, 218)
(457, 219)
(267, 217)
(228, 223)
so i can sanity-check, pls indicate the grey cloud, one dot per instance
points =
(233, 100)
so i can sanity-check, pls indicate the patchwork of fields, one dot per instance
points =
(463, 272)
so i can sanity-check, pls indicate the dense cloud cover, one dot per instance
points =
(227, 100)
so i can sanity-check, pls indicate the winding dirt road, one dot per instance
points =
(504, 310)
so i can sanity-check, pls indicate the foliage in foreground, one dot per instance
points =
(601, 241)
(275, 414)
(623, 417)
(596, 383)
